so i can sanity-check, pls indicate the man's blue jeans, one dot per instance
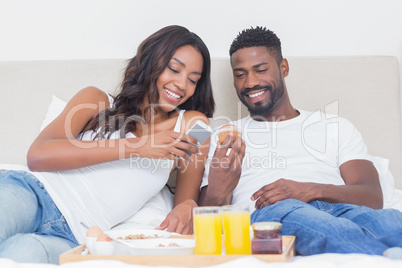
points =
(32, 228)
(322, 227)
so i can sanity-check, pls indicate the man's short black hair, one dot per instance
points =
(256, 37)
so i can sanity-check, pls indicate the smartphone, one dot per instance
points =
(200, 131)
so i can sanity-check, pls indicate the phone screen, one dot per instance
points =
(200, 131)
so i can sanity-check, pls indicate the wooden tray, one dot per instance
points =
(183, 260)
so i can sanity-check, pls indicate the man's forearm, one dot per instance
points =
(208, 197)
(362, 194)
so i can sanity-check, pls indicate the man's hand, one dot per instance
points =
(180, 219)
(280, 190)
(224, 172)
(362, 187)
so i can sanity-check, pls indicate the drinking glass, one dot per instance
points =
(236, 229)
(208, 230)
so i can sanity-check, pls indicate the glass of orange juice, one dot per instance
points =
(236, 229)
(208, 230)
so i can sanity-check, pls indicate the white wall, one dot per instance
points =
(75, 29)
(85, 29)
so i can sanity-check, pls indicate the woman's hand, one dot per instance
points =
(180, 219)
(166, 144)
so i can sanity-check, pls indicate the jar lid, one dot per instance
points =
(266, 225)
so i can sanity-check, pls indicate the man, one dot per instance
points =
(309, 171)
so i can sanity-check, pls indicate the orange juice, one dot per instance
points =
(236, 225)
(208, 232)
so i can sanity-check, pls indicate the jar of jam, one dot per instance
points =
(267, 238)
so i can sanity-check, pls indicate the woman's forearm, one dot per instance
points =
(52, 155)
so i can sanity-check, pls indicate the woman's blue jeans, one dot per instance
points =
(322, 227)
(32, 228)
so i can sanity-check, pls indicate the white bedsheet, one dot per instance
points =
(322, 260)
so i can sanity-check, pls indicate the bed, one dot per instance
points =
(366, 90)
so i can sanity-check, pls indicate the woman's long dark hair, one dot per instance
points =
(139, 83)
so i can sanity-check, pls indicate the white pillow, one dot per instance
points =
(13, 167)
(55, 108)
(386, 178)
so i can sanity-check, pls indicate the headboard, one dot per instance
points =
(366, 90)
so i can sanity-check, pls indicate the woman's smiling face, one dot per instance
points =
(177, 83)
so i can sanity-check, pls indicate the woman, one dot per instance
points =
(102, 158)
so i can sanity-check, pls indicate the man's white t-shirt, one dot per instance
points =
(308, 148)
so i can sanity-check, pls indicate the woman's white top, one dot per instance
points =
(106, 194)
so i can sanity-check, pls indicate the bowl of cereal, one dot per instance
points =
(150, 242)
(161, 246)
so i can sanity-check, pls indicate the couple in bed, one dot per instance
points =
(82, 170)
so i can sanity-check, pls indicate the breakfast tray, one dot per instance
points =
(74, 255)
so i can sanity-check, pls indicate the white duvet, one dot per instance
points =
(321, 260)
(155, 210)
